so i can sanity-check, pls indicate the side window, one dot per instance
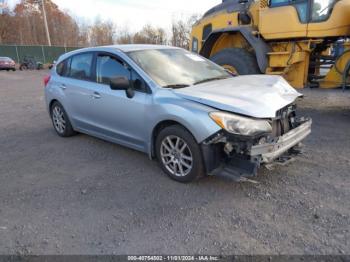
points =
(206, 31)
(108, 67)
(62, 68)
(80, 67)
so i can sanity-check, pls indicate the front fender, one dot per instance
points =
(193, 116)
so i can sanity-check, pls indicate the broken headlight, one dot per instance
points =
(240, 125)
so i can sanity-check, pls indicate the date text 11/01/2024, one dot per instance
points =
(173, 258)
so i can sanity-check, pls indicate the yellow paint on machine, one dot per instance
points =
(298, 34)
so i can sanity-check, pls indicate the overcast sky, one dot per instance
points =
(134, 13)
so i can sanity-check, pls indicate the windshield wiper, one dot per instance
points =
(210, 79)
(174, 86)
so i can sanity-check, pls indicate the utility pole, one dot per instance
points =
(45, 22)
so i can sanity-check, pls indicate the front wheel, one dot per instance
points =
(179, 154)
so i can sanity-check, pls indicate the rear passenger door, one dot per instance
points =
(79, 88)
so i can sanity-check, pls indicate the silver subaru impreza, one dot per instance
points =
(191, 115)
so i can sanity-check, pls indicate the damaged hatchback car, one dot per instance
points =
(191, 115)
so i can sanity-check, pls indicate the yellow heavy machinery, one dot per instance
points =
(306, 41)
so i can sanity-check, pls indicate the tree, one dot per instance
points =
(181, 31)
(102, 33)
(150, 35)
(123, 36)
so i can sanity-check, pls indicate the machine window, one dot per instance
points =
(302, 9)
(279, 2)
(195, 45)
(321, 10)
(207, 31)
(81, 66)
(300, 5)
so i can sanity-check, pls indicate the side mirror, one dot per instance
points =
(122, 83)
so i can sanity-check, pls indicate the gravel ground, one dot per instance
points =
(85, 196)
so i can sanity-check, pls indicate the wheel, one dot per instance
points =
(61, 121)
(23, 67)
(13, 69)
(179, 155)
(237, 61)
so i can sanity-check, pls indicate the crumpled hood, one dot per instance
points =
(259, 96)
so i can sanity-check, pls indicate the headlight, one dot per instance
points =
(240, 125)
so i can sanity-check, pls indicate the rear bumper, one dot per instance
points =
(7, 67)
(271, 151)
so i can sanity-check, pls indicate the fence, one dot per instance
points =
(45, 54)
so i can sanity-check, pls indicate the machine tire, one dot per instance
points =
(244, 62)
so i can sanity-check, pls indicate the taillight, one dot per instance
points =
(47, 80)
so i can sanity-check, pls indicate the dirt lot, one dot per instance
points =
(85, 196)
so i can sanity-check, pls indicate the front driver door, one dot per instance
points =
(118, 117)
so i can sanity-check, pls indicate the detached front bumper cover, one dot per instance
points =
(271, 151)
(240, 167)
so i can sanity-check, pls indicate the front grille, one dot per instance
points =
(283, 122)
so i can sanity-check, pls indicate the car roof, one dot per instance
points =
(5, 57)
(122, 48)
(135, 47)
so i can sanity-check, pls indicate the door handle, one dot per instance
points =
(96, 96)
(63, 87)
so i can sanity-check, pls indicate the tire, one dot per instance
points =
(241, 60)
(182, 174)
(61, 121)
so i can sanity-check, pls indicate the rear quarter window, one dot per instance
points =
(62, 68)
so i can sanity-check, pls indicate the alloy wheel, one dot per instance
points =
(176, 156)
(58, 119)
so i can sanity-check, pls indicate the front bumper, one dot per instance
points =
(240, 166)
(269, 152)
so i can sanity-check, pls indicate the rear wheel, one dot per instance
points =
(237, 60)
(179, 154)
(61, 121)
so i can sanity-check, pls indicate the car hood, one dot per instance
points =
(259, 96)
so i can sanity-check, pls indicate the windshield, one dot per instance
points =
(177, 68)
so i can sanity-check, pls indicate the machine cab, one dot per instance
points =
(304, 18)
